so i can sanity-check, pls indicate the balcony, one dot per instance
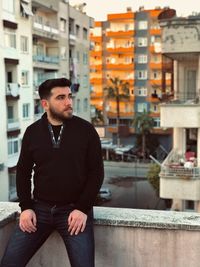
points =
(12, 91)
(156, 66)
(45, 30)
(180, 178)
(123, 237)
(121, 16)
(179, 36)
(185, 104)
(121, 49)
(13, 124)
(120, 34)
(155, 31)
(72, 39)
(46, 62)
(122, 66)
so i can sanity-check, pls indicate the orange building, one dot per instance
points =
(128, 46)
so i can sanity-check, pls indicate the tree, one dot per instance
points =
(98, 118)
(118, 90)
(143, 123)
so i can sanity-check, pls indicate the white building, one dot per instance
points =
(36, 44)
(180, 172)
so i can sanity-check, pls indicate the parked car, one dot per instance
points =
(103, 195)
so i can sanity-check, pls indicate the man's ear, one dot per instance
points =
(44, 104)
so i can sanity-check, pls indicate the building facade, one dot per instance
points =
(127, 46)
(37, 40)
(180, 172)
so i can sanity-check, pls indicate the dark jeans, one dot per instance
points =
(22, 246)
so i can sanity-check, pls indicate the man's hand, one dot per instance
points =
(77, 222)
(28, 221)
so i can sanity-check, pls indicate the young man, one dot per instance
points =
(64, 153)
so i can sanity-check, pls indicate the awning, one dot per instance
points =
(27, 9)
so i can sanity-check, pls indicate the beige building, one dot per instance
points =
(40, 40)
(180, 173)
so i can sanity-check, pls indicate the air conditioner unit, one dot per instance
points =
(1, 166)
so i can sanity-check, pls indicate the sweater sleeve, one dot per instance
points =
(95, 174)
(24, 174)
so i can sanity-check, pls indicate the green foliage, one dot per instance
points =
(98, 119)
(143, 122)
(117, 89)
(153, 177)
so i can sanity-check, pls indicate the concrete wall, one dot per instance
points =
(181, 36)
(124, 237)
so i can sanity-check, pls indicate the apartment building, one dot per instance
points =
(40, 40)
(180, 172)
(16, 97)
(127, 46)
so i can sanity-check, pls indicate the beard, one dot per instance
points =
(66, 114)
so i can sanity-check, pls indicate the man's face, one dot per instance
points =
(59, 104)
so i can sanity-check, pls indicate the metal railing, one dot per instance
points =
(183, 98)
(174, 167)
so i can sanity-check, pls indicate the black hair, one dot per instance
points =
(46, 87)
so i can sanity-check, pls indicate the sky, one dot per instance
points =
(98, 9)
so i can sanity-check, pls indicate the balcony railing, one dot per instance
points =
(177, 166)
(13, 124)
(46, 59)
(12, 89)
(45, 26)
(185, 98)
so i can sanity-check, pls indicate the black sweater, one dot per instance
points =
(72, 173)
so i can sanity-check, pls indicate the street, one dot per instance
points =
(130, 188)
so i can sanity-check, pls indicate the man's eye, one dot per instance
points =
(60, 97)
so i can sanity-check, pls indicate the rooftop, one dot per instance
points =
(124, 237)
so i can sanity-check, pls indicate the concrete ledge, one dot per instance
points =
(8, 212)
(123, 237)
(147, 218)
(123, 217)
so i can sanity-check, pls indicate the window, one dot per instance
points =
(77, 30)
(142, 75)
(85, 34)
(155, 108)
(78, 108)
(78, 56)
(189, 205)
(13, 146)
(141, 107)
(8, 5)
(126, 27)
(62, 25)
(85, 80)
(85, 58)
(156, 123)
(63, 52)
(24, 44)
(141, 91)
(71, 26)
(10, 112)
(142, 42)
(142, 25)
(24, 78)
(85, 104)
(10, 38)
(12, 185)
(26, 110)
(142, 58)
